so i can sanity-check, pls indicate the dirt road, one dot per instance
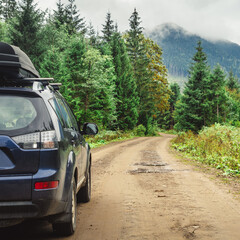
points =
(141, 191)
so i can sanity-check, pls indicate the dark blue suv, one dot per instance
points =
(45, 162)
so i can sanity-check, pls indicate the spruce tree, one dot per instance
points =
(232, 108)
(174, 97)
(25, 30)
(51, 65)
(91, 35)
(8, 9)
(166, 120)
(73, 20)
(135, 46)
(1, 8)
(137, 52)
(4, 32)
(89, 83)
(232, 82)
(217, 95)
(126, 88)
(193, 109)
(59, 15)
(108, 28)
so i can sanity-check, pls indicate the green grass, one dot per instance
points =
(217, 146)
(106, 136)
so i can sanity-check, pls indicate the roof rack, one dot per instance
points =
(35, 83)
(38, 79)
(44, 81)
(55, 86)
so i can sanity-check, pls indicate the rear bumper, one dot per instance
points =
(15, 204)
(16, 210)
(28, 209)
(20, 199)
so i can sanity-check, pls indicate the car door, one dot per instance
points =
(83, 152)
(76, 137)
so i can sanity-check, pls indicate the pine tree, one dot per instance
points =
(73, 20)
(1, 8)
(174, 97)
(232, 108)
(4, 32)
(193, 109)
(217, 96)
(137, 52)
(108, 28)
(126, 89)
(25, 28)
(59, 15)
(91, 35)
(51, 65)
(8, 9)
(232, 82)
(166, 120)
(89, 83)
(135, 46)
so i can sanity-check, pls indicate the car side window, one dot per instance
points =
(57, 110)
(65, 114)
(73, 119)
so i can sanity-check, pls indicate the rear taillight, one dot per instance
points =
(45, 140)
(28, 141)
(49, 140)
(46, 185)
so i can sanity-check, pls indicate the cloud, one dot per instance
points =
(209, 18)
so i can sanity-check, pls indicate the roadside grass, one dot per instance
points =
(217, 146)
(106, 136)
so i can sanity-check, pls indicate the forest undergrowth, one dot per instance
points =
(217, 146)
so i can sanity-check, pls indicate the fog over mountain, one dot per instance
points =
(179, 47)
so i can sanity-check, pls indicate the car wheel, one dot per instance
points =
(68, 227)
(84, 194)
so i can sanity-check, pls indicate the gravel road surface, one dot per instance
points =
(140, 190)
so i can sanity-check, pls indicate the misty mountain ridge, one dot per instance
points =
(166, 29)
(179, 47)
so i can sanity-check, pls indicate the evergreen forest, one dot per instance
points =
(179, 46)
(118, 80)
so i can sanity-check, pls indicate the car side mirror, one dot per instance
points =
(89, 129)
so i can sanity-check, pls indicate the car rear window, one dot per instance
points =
(22, 115)
(16, 112)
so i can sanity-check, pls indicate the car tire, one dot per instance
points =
(68, 228)
(84, 194)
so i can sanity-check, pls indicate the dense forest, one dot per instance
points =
(118, 80)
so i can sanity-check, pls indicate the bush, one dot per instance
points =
(218, 146)
(140, 130)
(153, 130)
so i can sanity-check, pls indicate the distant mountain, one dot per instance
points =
(179, 47)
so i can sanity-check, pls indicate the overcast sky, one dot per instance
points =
(215, 19)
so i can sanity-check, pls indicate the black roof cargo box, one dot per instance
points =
(14, 63)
